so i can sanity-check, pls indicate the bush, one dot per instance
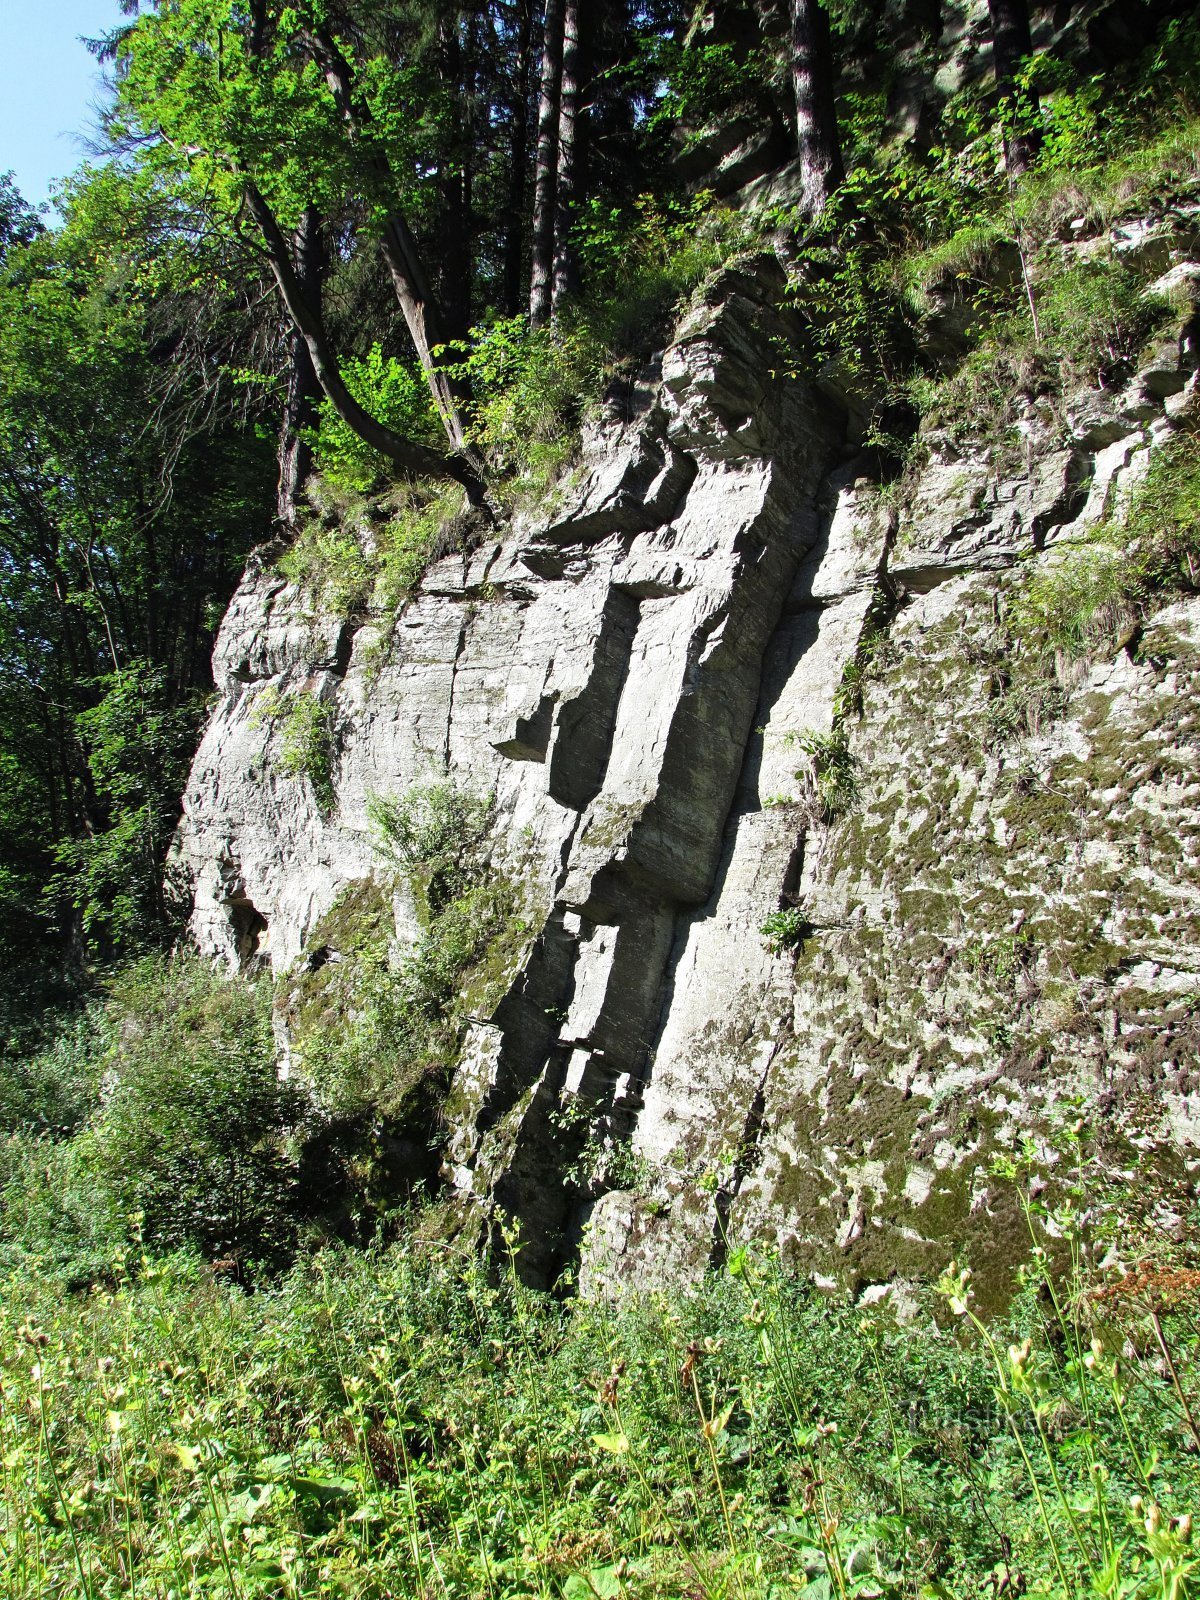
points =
(59, 1215)
(378, 1032)
(51, 1091)
(198, 1134)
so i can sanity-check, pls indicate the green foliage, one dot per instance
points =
(51, 1089)
(435, 834)
(1131, 564)
(412, 1416)
(138, 746)
(830, 778)
(396, 394)
(533, 387)
(785, 930)
(123, 525)
(58, 1215)
(1095, 318)
(378, 1032)
(353, 558)
(301, 728)
(197, 1135)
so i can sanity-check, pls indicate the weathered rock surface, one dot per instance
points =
(1003, 919)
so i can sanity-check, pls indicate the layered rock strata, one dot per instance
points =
(997, 918)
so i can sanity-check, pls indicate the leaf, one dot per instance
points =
(615, 1443)
(599, 1583)
(183, 1456)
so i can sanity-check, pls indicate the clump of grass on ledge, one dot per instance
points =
(411, 1421)
(1135, 561)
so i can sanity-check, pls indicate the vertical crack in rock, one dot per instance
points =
(464, 627)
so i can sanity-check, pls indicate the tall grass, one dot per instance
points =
(415, 1422)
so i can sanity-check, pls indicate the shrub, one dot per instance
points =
(59, 1214)
(435, 835)
(198, 1133)
(379, 1031)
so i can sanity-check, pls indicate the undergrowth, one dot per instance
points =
(414, 1421)
(377, 1031)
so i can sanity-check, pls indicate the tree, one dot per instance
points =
(303, 386)
(821, 168)
(131, 482)
(566, 274)
(1011, 44)
(546, 166)
(265, 112)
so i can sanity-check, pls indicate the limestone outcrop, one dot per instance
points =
(991, 922)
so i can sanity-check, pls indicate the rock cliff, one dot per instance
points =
(733, 682)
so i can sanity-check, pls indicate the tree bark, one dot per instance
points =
(821, 169)
(459, 68)
(404, 454)
(566, 274)
(518, 157)
(1011, 43)
(545, 180)
(400, 252)
(304, 390)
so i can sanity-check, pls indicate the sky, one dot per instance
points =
(50, 86)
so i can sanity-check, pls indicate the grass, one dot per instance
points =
(357, 556)
(1135, 561)
(412, 1421)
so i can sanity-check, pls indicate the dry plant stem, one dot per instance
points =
(899, 1459)
(652, 1499)
(1019, 237)
(62, 1503)
(1161, 1340)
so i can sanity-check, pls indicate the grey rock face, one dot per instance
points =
(1003, 914)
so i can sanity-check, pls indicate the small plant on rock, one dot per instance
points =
(785, 930)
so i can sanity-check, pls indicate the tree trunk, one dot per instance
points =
(400, 253)
(545, 181)
(1011, 43)
(566, 272)
(821, 169)
(404, 454)
(304, 391)
(518, 156)
(459, 68)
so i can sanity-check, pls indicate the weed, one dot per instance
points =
(829, 780)
(785, 930)
(307, 744)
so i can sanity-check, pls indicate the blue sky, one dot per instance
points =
(50, 85)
